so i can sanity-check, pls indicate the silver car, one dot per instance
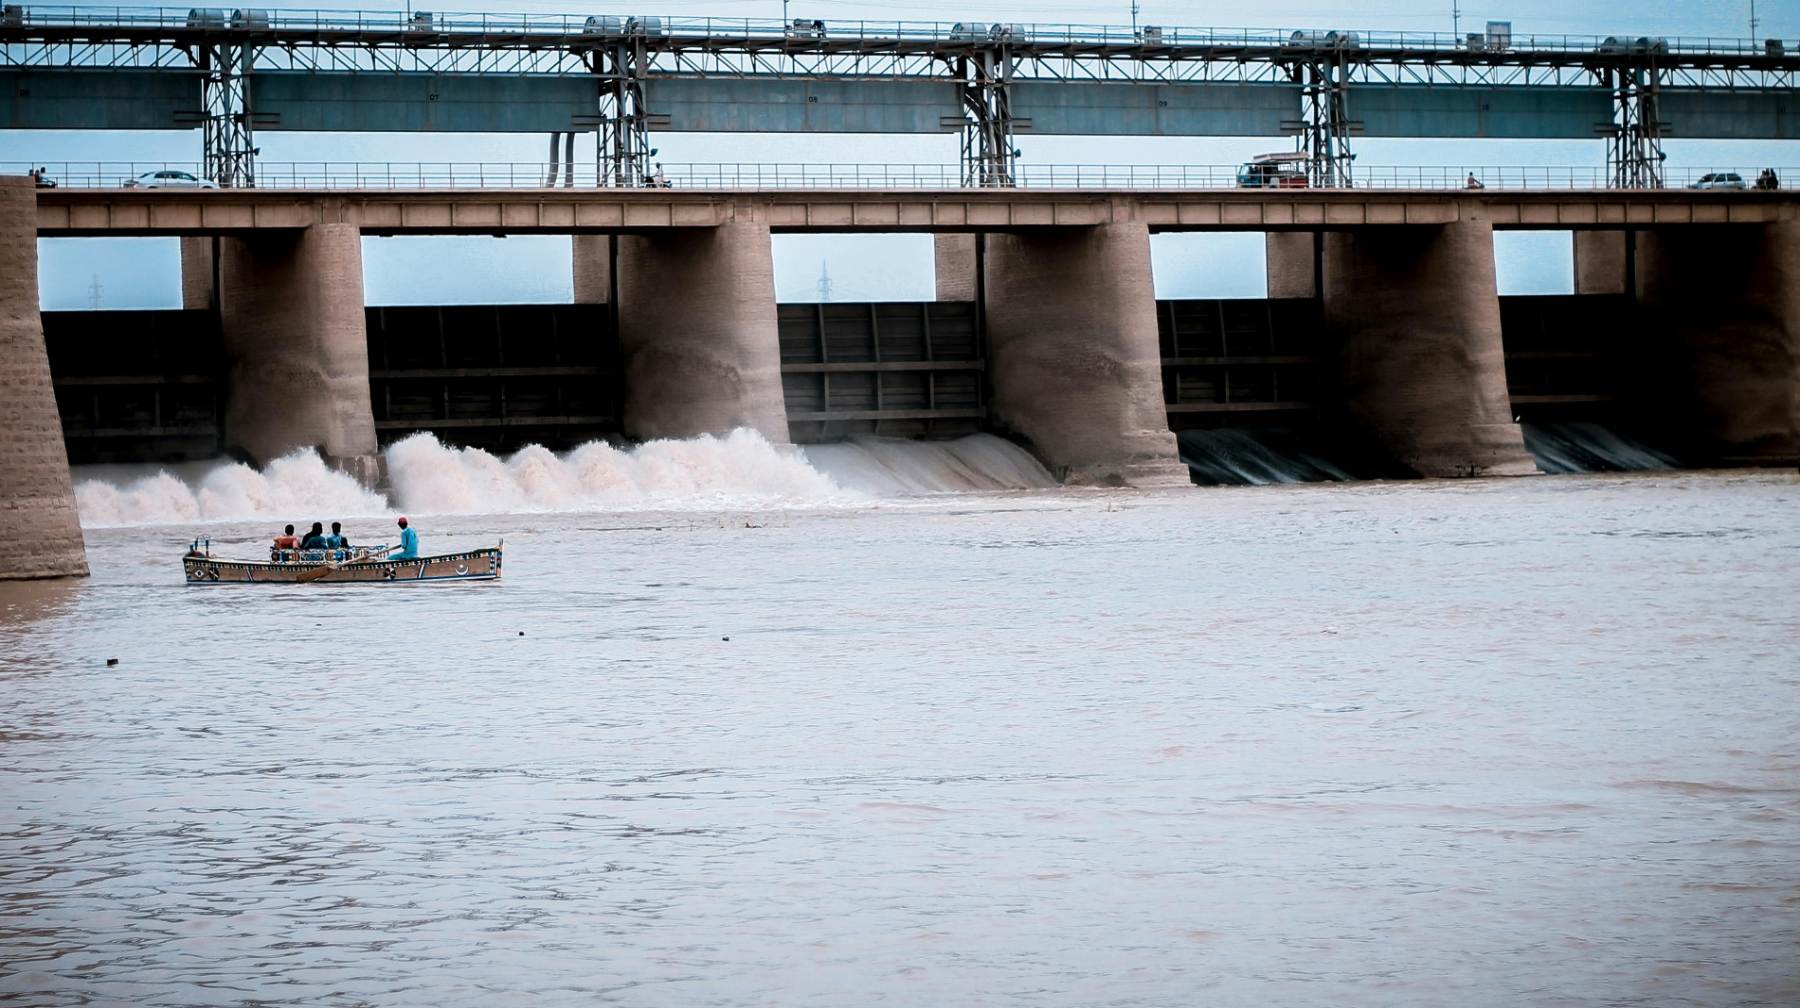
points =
(1720, 180)
(169, 179)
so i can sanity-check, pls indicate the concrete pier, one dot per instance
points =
(197, 272)
(40, 533)
(1291, 262)
(1724, 302)
(1599, 262)
(295, 340)
(1073, 354)
(1416, 316)
(954, 255)
(698, 333)
(592, 265)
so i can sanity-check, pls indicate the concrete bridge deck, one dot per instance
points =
(190, 212)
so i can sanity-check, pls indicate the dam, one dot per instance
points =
(1383, 317)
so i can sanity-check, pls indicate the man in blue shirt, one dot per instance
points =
(409, 544)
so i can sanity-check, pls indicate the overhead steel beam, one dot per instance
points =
(1125, 109)
(790, 105)
(336, 101)
(100, 99)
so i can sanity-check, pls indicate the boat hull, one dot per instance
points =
(474, 565)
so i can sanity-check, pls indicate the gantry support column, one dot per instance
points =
(1724, 301)
(592, 264)
(40, 533)
(954, 255)
(1073, 353)
(1292, 263)
(697, 333)
(297, 346)
(1421, 364)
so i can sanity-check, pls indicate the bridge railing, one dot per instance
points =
(779, 176)
(422, 24)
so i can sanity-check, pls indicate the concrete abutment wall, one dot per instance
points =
(40, 533)
(1073, 353)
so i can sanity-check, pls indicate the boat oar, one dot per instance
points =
(308, 577)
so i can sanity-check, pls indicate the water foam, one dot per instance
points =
(888, 467)
(289, 488)
(739, 470)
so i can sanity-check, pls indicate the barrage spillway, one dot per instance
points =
(1383, 313)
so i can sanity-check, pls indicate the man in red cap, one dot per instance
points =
(409, 544)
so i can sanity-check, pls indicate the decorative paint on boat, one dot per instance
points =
(478, 564)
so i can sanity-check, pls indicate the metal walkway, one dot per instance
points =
(349, 175)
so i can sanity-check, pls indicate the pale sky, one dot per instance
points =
(145, 272)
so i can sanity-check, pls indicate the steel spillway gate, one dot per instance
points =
(497, 377)
(895, 369)
(1255, 362)
(1246, 362)
(1568, 356)
(137, 386)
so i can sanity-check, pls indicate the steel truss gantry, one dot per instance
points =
(1634, 154)
(1324, 131)
(1652, 81)
(623, 151)
(988, 154)
(228, 130)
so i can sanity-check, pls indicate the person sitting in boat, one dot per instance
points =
(409, 543)
(337, 539)
(286, 540)
(314, 539)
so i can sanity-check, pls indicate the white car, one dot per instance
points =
(169, 179)
(1720, 180)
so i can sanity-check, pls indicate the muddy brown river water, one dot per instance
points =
(1499, 742)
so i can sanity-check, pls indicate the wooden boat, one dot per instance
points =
(356, 564)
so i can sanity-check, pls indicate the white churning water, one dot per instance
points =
(741, 470)
(288, 488)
